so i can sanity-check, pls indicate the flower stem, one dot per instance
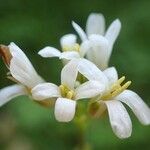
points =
(81, 124)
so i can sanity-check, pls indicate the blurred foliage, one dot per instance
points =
(35, 24)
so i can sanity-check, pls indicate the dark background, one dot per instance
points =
(35, 24)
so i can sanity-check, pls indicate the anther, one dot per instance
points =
(121, 80)
(62, 90)
(75, 47)
(65, 48)
(126, 85)
(70, 95)
(121, 89)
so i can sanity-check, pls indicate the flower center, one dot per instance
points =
(75, 47)
(66, 92)
(116, 89)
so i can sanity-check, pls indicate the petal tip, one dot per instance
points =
(64, 109)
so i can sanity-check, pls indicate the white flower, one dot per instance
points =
(96, 46)
(70, 49)
(67, 93)
(21, 71)
(100, 42)
(112, 98)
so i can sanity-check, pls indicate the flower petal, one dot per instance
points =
(14, 49)
(91, 72)
(44, 91)
(10, 92)
(68, 40)
(69, 55)
(21, 68)
(89, 89)
(84, 48)
(119, 119)
(99, 53)
(49, 52)
(140, 109)
(111, 74)
(69, 73)
(113, 32)
(80, 31)
(95, 24)
(64, 109)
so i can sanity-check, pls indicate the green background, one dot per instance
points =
(35, 24)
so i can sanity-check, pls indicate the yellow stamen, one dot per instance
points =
(116, 89)
(106, 96)
(65, 48)
(75, 47)
(126, 85)
(70, 95)
(117, 84)
(66, 92)
(62, 90)
(121, 80)
(121, 89)
(96, 108)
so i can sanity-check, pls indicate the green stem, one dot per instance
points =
(81, 123)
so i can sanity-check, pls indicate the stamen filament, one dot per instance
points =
(121, 89)
(116, 89)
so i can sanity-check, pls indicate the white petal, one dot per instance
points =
(69, 55)
(95, 24)
(89, 89)
(113, 32)
(21, 68)
(91, 72)
(49, 52)
(14, 49)
(10, 92)
(111, 74)
(84, 48)
(99, 53)
(80, 31)
(64, 109)
(25, 75)
(119, 119)
(44, 91)
(68, 40)
(17, 52)
(140, 109)
(69, 73)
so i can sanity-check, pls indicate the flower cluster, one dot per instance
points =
(85, 76)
